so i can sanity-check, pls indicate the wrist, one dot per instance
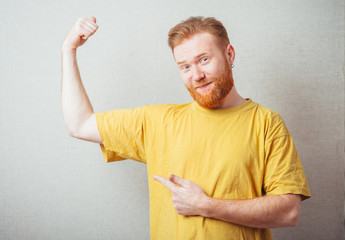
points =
(68, 50)
(207, 207)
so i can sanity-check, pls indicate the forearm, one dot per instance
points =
(76, 106)
(262, 212)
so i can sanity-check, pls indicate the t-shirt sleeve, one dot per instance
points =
(122, 133)
(284, 172)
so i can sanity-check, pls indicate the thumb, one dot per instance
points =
(93, 19)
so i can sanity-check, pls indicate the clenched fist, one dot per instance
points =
(79, 33)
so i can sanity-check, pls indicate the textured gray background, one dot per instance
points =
(290, 57)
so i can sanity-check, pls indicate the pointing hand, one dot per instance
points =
(188, 198)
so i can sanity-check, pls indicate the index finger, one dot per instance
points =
(165, 182)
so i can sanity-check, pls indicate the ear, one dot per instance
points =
(230, 54)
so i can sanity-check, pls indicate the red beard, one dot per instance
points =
(222, 85)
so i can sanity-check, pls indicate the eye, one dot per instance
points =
(204, 59)
(185, 67)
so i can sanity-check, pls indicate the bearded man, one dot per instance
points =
(225, 167)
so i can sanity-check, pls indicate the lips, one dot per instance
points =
(203, 86)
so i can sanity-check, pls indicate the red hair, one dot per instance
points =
(193, 25)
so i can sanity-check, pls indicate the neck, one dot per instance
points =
(233, 99)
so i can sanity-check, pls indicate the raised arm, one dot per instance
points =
(77, 110)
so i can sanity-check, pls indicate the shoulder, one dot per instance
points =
(272, 121)
(158, 117)
(271, 116)
(166, 109)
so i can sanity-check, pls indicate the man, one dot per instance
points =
(225, 167)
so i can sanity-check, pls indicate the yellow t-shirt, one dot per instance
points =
(235, 153)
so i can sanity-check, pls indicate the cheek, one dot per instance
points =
(186, 80)
(187, 84)
(208, 71)
(214, 69)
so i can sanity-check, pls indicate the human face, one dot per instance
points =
(205, 69)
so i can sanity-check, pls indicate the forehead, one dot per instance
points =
(200, 43)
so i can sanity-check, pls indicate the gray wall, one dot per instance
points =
(290, 57)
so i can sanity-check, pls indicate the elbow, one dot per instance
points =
(291, 211)
(74, 129)
(293, 215)
(293, 218)
(72, 132)
(71, 128)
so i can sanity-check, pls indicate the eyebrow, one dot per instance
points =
(178, 63)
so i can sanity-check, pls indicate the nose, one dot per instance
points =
(198, 74)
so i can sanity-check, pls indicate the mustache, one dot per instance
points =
(203, 84)
(207, 80)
